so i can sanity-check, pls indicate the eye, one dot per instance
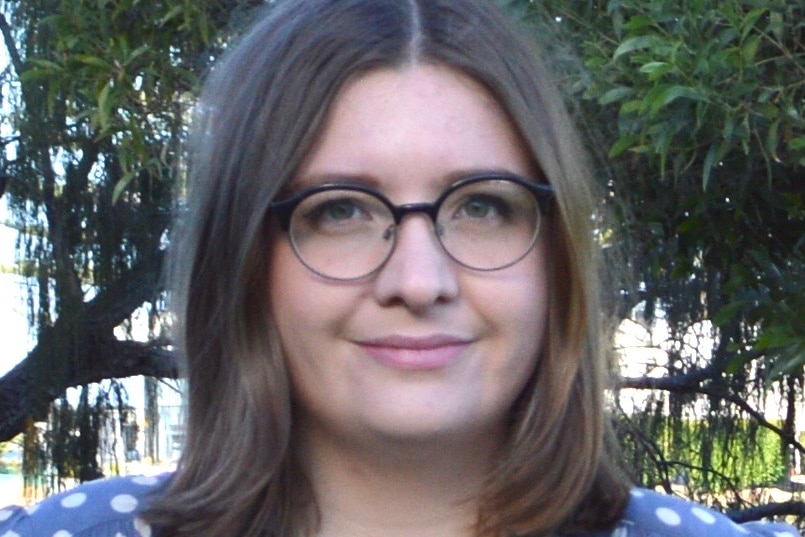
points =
(483, 206)
(338, 210)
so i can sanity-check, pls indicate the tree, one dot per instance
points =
(699, 106)
(97, 96)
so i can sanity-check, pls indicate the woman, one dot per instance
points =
(387, 289)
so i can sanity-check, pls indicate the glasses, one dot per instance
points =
(347, 232)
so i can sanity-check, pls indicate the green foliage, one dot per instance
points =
(118, 66)
(101, 93)
(9, 462)
(701, 105)
(701, 87)
(73, 436)
(726, 455)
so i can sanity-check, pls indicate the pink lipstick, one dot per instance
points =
(415, 353)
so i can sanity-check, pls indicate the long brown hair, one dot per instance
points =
(260, 110)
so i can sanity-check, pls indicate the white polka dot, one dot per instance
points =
(10, 534)
(619, 532)
(145, 480)
(31, 509)
(704, 515)
(740, 528)
(142, 527)
(783, 534)
(73, 500)
(668, 516)
(637, 493)
(62, 533)
(124, 503)
(5, 514)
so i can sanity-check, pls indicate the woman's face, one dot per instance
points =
(423, 348)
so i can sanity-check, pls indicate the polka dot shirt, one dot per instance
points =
(651, 514)
(104, 508)
(108, 508)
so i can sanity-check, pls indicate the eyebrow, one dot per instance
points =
(297, 184)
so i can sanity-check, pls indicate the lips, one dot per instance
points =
(415, 353)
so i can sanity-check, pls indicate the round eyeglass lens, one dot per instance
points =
(488, 225)
(342, 234)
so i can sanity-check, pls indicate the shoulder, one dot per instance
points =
(103, 508)
(652, 514)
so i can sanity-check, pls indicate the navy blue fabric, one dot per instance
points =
(108, 508)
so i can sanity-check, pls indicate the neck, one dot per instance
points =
(396, 488)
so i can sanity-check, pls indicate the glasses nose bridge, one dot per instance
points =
(399, 212)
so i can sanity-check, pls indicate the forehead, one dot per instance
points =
(419, 121)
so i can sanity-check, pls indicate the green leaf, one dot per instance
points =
(669, 95)
(768, 110)
(651, 67)
(204, 29)
(173, 13)
(638, 22)
(622, 144)
(727, 313)
(45, 64)
(750, 49)
(776, 24)
(790, 110)
(35, 75)
(735, 364)
(729, 128)
(615, 94)
(795, 144)
(139, 51)
(790, 361)
(775, 339)
(748, 24)
(690, 224)
(635, 43)
(713, 157)
(92, 60)
(104, 105)
(772, 139)
(122, 184)
(656, 70)
(630, 106)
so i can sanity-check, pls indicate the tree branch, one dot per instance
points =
(688, 382)
(792, 508)
(114, 304)
(11, 45)
(693, 382)
(27, 390)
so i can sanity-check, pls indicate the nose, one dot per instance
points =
(419, 273)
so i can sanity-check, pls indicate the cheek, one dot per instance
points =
(292, 303)
(293, 300)
(514, 304)
(525, 314)
(307, 310)
(526, 303)
(296, 311)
